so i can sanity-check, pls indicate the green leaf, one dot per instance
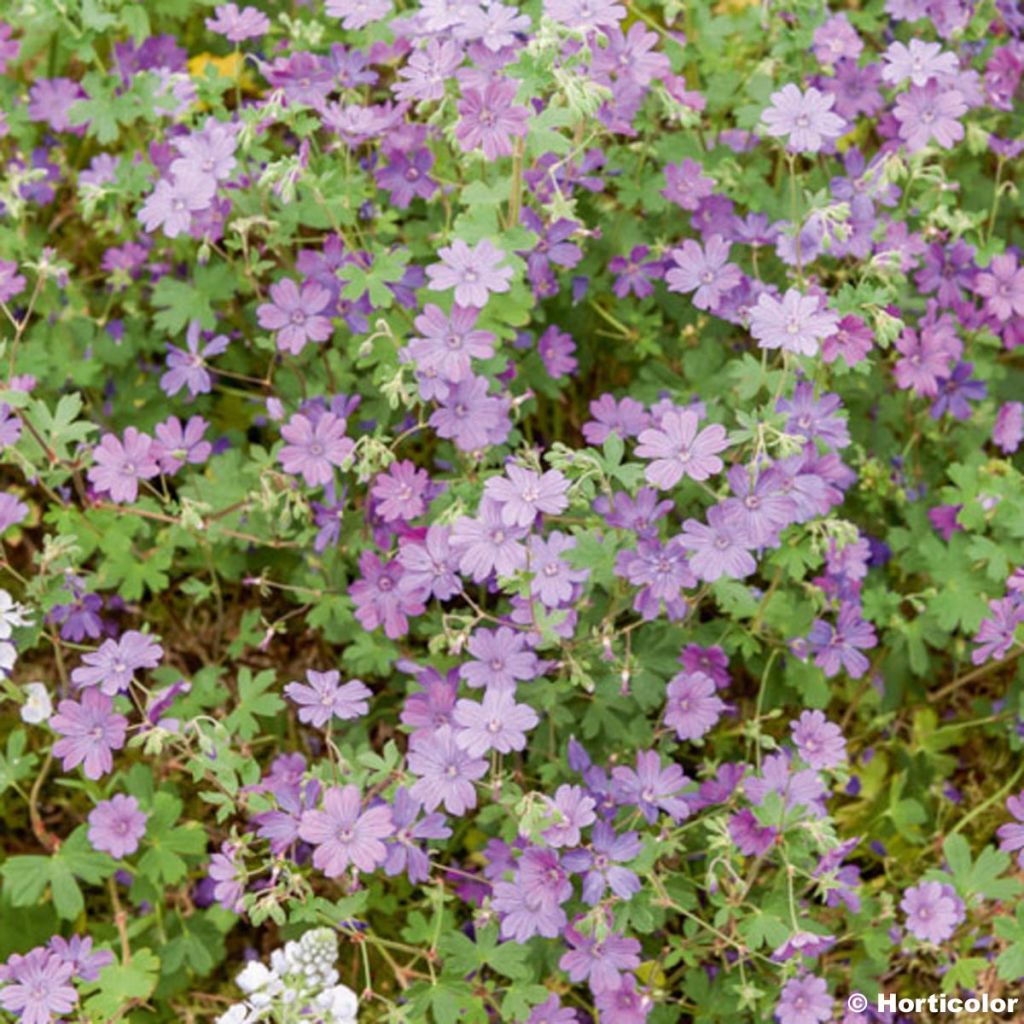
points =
(120, 984)
(254, 700)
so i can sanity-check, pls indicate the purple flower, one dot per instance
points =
(498, 723)
(1011, 835)
(599, 961)
(238, 25)
(448, 342)
(175, 445)
(553, 577)
(188, 369)
(314, 447)
(760, 509)
(114, 665)
(693, 706)
(806, 117)
(796, 324)
(556, 350)
(662, 571)
(445, 771)
(116, 826)
(36, 986)
(344, 834)
(380, 599)
(582, 14)
(427, 70)
(486, 544)
(804, 1000)
(930, 112)
(625, 1004)
(89, 731)
(324, 699)
(77, 951)
(686, 185)
(751, 837)
(469, 416)
(434, 706)
(571, 810)
(488, 120)
(172, 203)
(798, 789)
(812, 418)
(532, 904)
(956, 391)
(920, 62)
(51, 99)
(11, 282)
(703, 271)
(1002, 285)
(840, 647)
(119, 466)
(933, 911)
(357, 14)
(405, 851)
(852, 340)
(227, 871)
(652, 788)
(1007, 432)
(296, 316)
(523, 494)
(12, 511)
(818, 741)
(501, 659)
(602, 864)
(474, 272)
(399, 491)
(632, 57)
(678, 450)
(406, 177)
(717, 548)
(634, 274)
(995, 634)
(429, 567)
(551, 1010)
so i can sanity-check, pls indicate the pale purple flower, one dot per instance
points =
(12, 511)
(693, 706)
(175, 445)
(325, 697)
(686, 184)
(818, 741)
(50, 100)
(501, 659)
(77, 951)
(89, 730)
(813, 418)
(357, 14)
(651, 788)
(760, 509)
(405, 847)
(188, 368)
(662, 570)
(315, 447)
(804, 1000)
(633, 57)
(238, 25)
(523, 494)
(933, 911)
(627, 418)
(678, 450)
(448, 342)
(797, 323)
(1011, 835)
(1007, 432)
(930, 113)
(703, 271)
(599, 961)
(553, 577)
(626, 1004)
(571, 810)
(427, 70)
(996, 632)
(399, 493)
(445, 771)
(556, 350)
(469, 416)
(227, 871)
(488, 120)
(173, 201)
(498, 723)
(114, 665)
(344, 834)
(118, 466)
(805, 117)
(37, 986)
(380, 598)
(1002, 285)
(116, 826)
(551, 1010)
(836, 40)
(919, 61)
(429, 566)
(11, 282)
(474, 273)
(297, 316)
(840, 647)
(486, 544)
(718, 547)
(583, 15)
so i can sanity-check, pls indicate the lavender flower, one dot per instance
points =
(326, 698)
(315, 446)
(119, 466)
(498, 723)
(89, 731)
(114, 665)
(805, 117)
(116, 826)
(474, 272)
(344, 834)
(678, 450)
(445, 771)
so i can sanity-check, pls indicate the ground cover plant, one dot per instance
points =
(510, 512)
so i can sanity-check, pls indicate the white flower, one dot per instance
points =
(8, 656)
(237, 1014)
(340, 1003)
(38, 707)
(254, 976)
(11, 614)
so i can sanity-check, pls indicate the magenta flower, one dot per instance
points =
(933, 911)
(116, 826)
(296, 315)
(474, 272)
(703, 271)
(930, 112)
(315, 447)
(445, 771)
(489, 118)
(344, 834)
(323, 698)
(37, 986)
(678, 450)
(796, 323)
(114, 665)
(118, 466)
(805, 117)
(693, 706)
(498, 723)
(89, 730)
